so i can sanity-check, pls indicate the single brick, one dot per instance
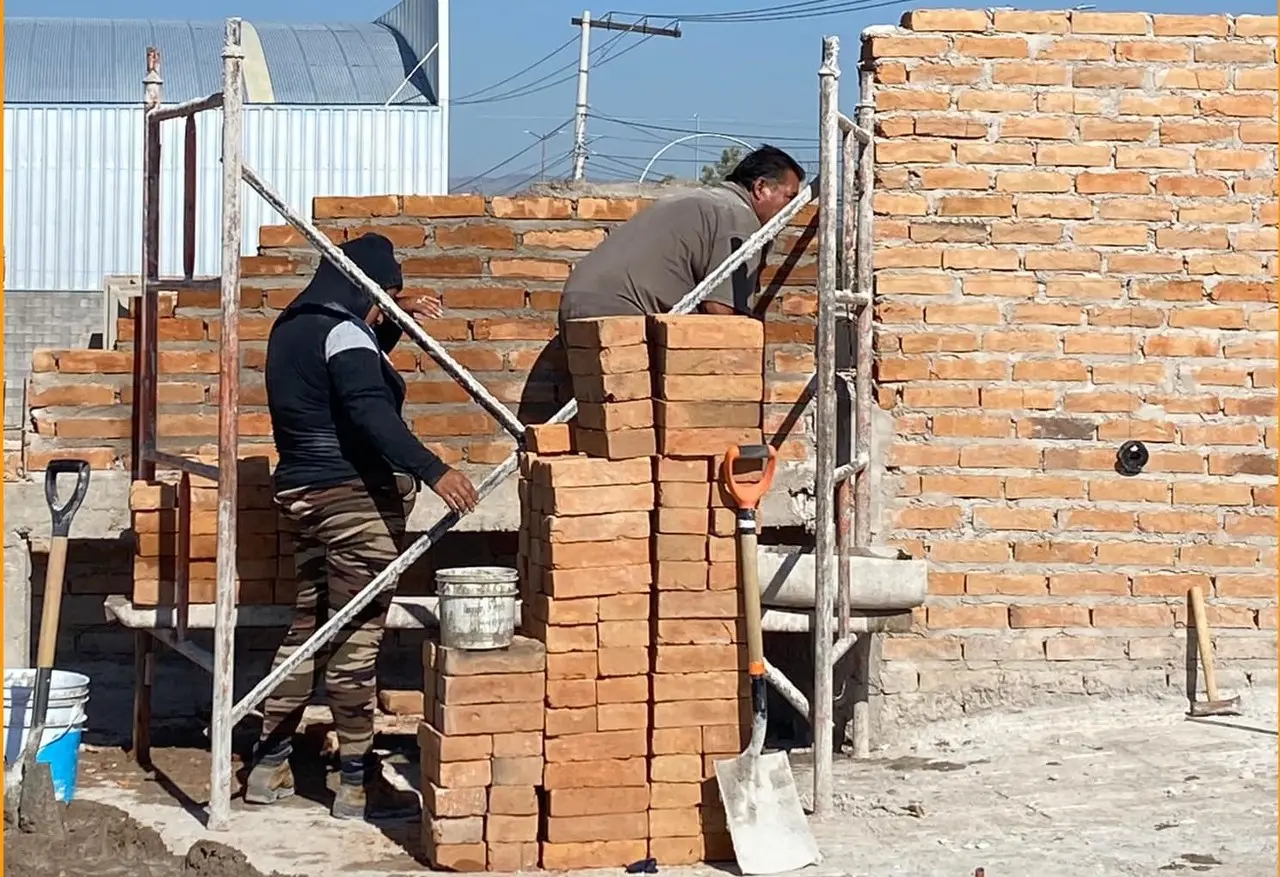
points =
(597, 854)
(738, 361)
(512, 828)
(624, 444)
(675, 741)
(700, 415)
(623, 689)
(581, 471)
(606, 774)
(522, 656)
(517, 744)
(705, 441)
(679, 850)
(706, 332)
(681, 520)
(436, 747)
(697, 686)
(488, 718)
(446, 832)
(697, 658)
(631, 359)
(504, 688)
(591, 802)
(549, 438)
(612, 388)
(696, 470)
(609, 416)
(525, 771)
(594, 333)
(598, 500)
(624, 607)
(453, 803)
(564, 637)
(558, 612)
(705, 604)
(677, 547)
(600, 582)
(577, 555)
(571, 693)
(708, 388)
(595, 528)
(464, 858)
(623, 661)
(683, 494)
(597, 827)
(725, 738)
(511, 857)
(680, 575)
(697, 631)
(571, 721)
(683, 822)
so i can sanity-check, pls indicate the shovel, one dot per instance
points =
(37, 807)
(769, 830)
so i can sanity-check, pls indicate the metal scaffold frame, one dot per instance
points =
(843, 526)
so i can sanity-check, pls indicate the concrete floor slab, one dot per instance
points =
(1086, 787)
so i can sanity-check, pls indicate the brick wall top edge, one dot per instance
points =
(943, 21)
(468, 206)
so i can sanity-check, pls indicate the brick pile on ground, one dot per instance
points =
(707, 376)
(482, 756)
(587, 565)
(158, 556)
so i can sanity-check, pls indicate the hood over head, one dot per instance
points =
(373, 254)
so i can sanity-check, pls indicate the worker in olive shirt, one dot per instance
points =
(650, 262)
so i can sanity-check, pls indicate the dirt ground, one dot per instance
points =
(1088, 787)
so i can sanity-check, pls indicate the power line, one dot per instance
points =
(544, 59)
(783, 12)
(539, 173)
(506, 161)
(642, 126)
(535, 87)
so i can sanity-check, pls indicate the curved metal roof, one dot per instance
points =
(102, 61)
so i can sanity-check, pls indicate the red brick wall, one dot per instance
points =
(498, 264)
(1076, 235)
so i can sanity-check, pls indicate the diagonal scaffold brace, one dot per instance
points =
(391, 575)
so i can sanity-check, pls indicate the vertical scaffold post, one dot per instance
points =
(147, 309)
(825, 439)
(228, 434)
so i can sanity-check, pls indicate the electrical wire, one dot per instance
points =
(542, 173)
(538, 63)
(600, 55)
(643, 126)
(783, 12)
(506, 161)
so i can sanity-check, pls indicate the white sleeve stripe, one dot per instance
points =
(346, 336)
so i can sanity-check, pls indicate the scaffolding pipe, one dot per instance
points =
(352, 272)
(389, 576)
(825, 438)
(224, 629)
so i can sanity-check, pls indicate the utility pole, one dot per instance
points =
(585, 24)
(697, 127)
(542, 144)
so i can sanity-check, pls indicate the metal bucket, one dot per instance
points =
(477, 606)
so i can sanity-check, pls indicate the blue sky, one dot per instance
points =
(756, 80)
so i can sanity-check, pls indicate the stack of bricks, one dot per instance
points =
(154, 507)
(609, 364)
(707, 375)
(482, 756)
(589, 575)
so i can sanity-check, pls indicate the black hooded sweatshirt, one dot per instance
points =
(335, 399)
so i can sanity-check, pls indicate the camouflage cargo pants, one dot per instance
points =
(346, 535)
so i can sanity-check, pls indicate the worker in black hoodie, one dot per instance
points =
(347, 479)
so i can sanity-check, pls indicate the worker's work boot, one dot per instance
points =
(364, 793)
(270, 778)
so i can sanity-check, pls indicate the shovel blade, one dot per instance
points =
(769, 830)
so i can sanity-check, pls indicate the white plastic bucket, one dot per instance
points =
(477, 606)
(64, 722)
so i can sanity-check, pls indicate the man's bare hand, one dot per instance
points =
(457, 491)
(421, 306)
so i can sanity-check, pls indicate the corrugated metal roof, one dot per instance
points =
(99, 60)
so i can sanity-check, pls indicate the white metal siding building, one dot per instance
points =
(330, 109)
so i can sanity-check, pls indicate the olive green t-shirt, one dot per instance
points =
(651, 261)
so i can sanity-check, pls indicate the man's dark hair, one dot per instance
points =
(767, 162)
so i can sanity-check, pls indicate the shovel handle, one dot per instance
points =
(747, 495)
(64, 512)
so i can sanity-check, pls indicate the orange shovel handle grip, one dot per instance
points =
(748, 495)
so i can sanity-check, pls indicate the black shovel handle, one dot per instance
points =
(62, 514)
